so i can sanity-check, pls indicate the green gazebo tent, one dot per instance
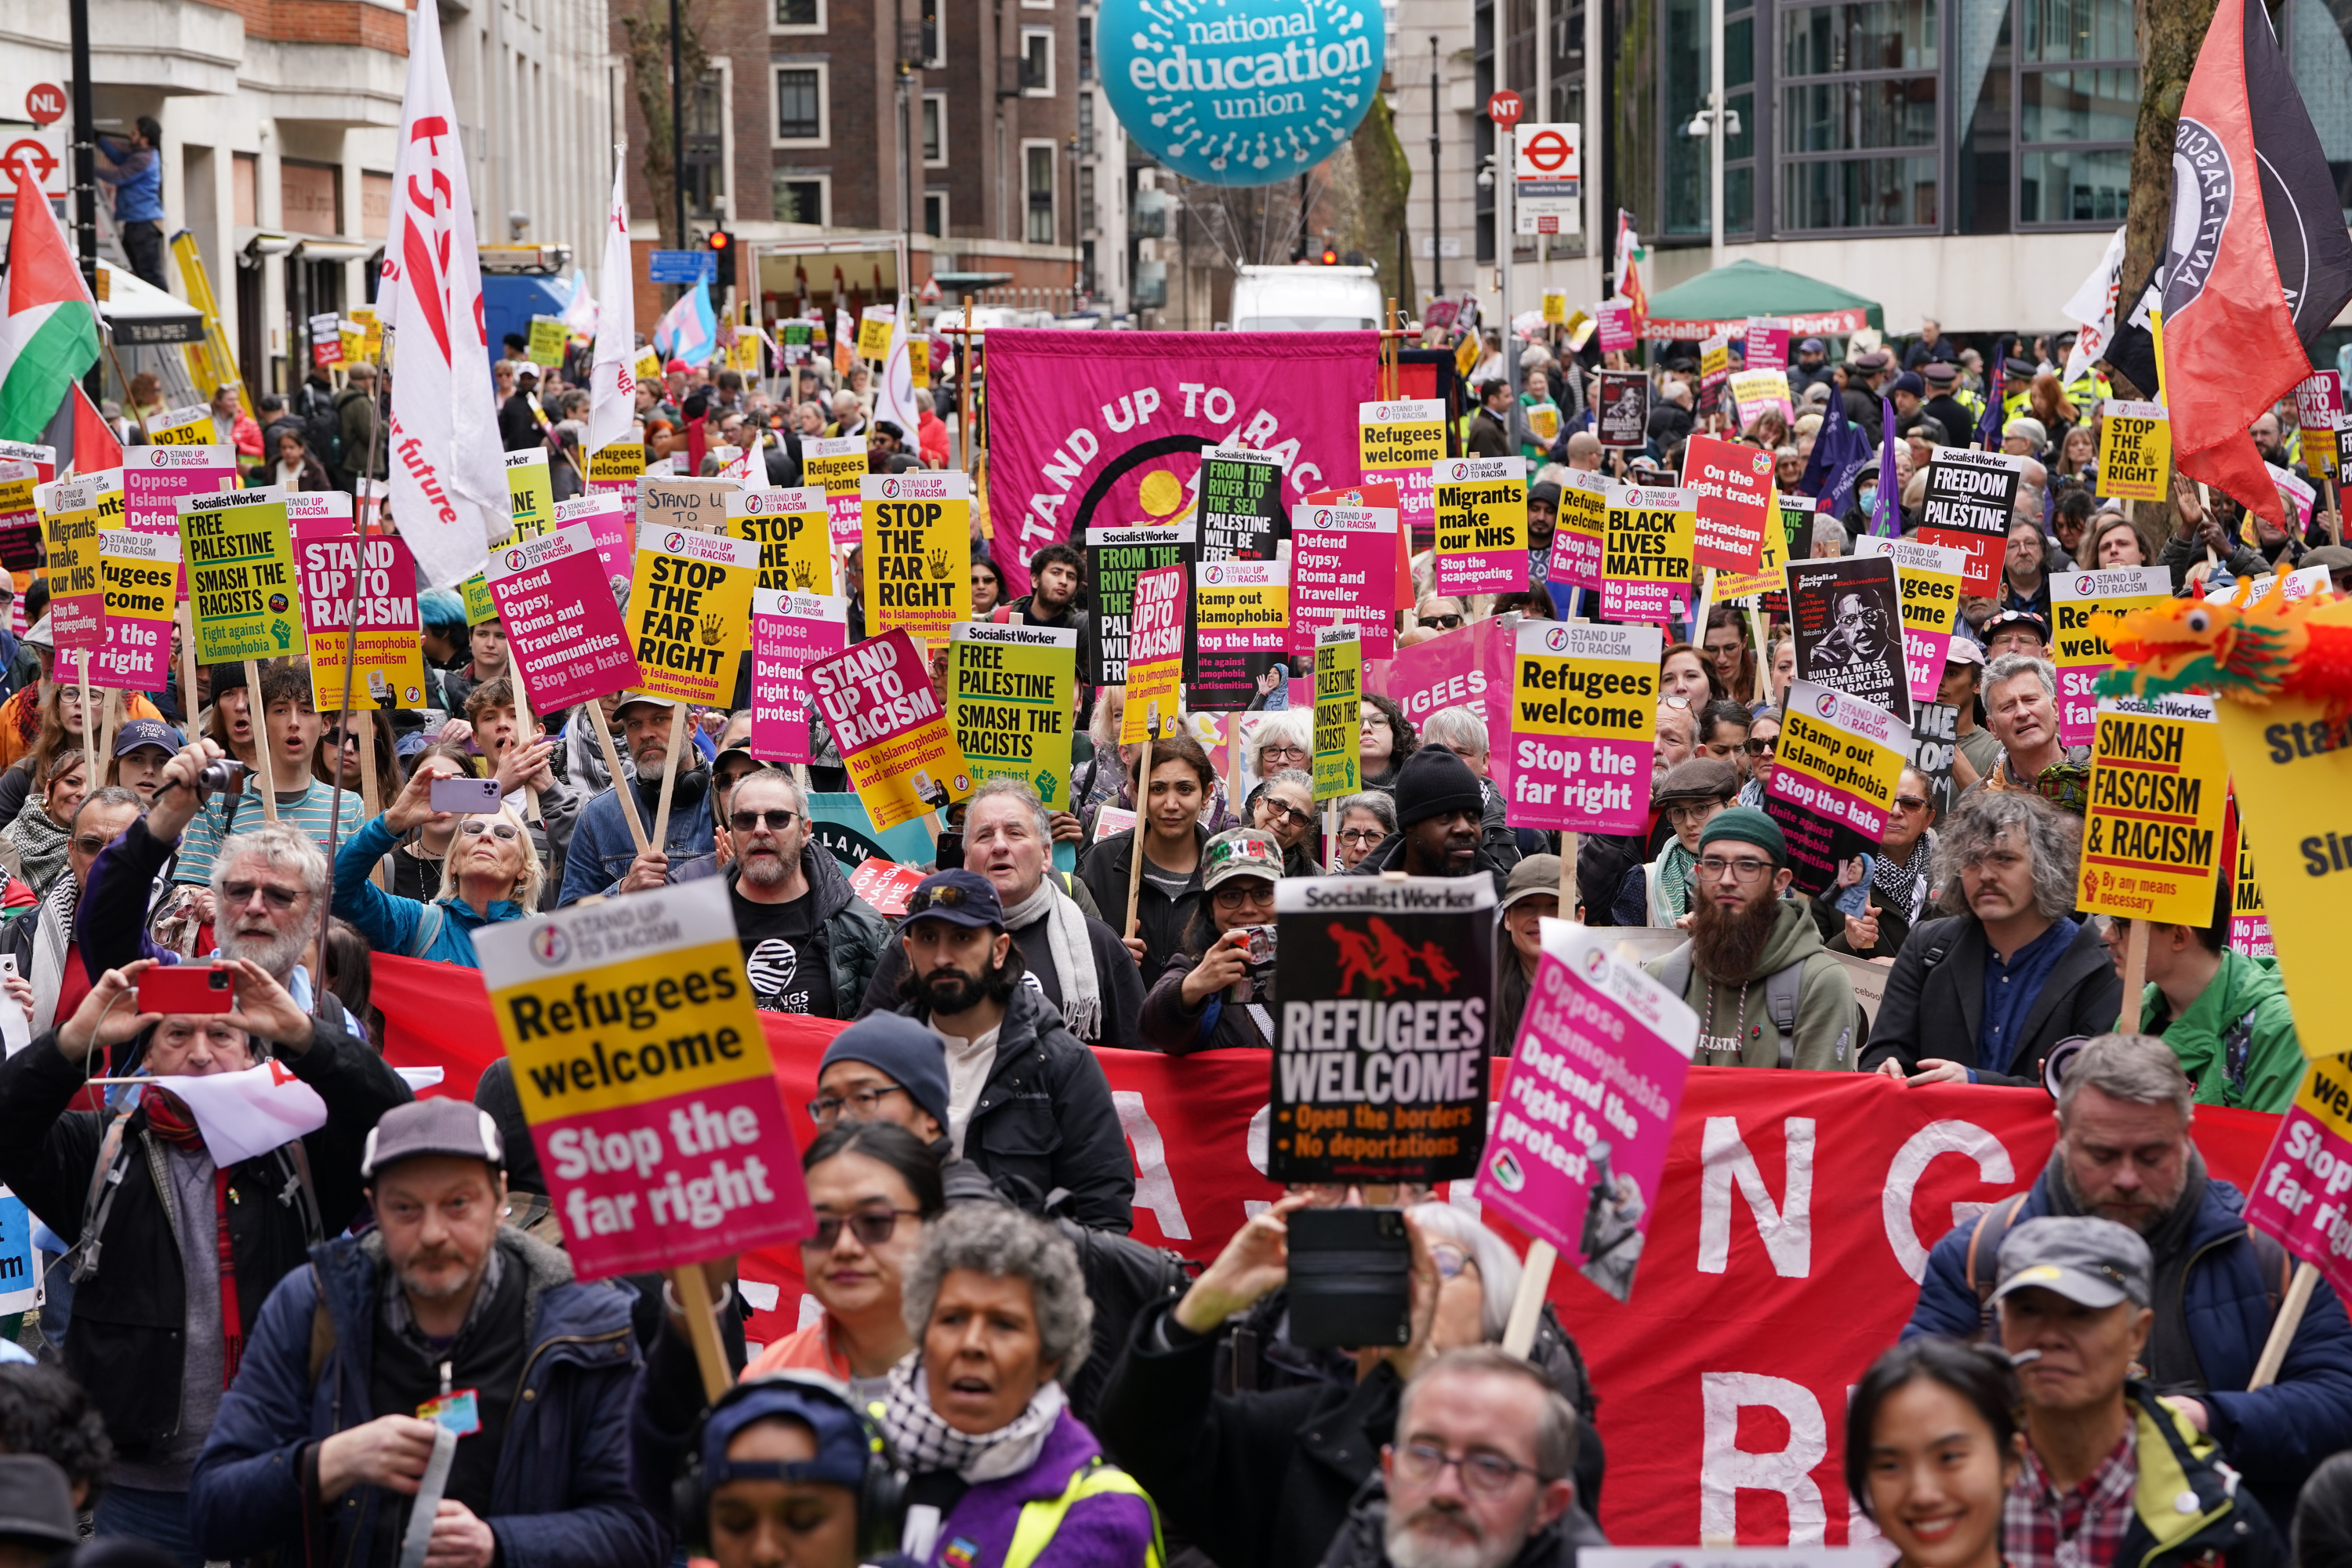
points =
(1722, 301)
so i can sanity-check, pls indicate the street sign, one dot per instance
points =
(1547, 189)
(1504, 108)
(930, 295)
(683, 266)
(45, 103)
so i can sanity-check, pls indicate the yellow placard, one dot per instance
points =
(874, 333)
(2292, 768)
(1715, 357)
(647, 369)
(1555, 307)
(547, 338)
(530, 492)
(690, 611)
(1466, 355)
(919, 360)
(1481, 535)
(616, 462)
(2152, 834)
(364, 321)
(480, 608)
(1409, 433)
(834, 463)
(2135, 451)
(789, 527)
(1645, 560)
(2079, 637)
(1154, 699)
(241, 584)
(189, 426)
(917, 532)
(1338, 713)
(1011, 697)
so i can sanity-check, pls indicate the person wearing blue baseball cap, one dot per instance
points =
(141, 750)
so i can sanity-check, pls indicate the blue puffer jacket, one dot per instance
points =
(562, 1499)
(398, 925)
(2276, 1435)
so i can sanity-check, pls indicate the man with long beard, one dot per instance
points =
(1767, 992)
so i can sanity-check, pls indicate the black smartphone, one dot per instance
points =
(1350, 1279)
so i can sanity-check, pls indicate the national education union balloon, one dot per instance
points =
(1241, 92)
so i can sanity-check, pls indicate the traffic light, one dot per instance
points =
(1330, 257)
(722, 255)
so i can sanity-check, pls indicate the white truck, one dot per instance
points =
(1307, 300)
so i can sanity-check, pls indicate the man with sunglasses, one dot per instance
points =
(811, 944)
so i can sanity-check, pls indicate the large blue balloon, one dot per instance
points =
(1241, 92)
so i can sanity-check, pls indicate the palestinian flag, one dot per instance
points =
(48, 323)
(80, 435)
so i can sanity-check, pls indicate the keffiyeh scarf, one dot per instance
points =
(927, 1443)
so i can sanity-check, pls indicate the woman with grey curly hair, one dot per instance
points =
(999, 1313)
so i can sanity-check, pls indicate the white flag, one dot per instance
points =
(449, 466)
(2094, 305)
(242, 1114)
(612, 384)
(894, 399)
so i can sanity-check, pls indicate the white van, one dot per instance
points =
(1307, 300)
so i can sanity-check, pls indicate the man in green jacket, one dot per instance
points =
(2224, 1014)
(1767, 992)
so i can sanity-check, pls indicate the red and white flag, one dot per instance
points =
(449, 467)
(242, 1114)
(612, 383)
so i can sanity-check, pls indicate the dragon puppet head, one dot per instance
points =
(2256, 653)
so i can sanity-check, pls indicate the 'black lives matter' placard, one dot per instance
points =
(1387, 990)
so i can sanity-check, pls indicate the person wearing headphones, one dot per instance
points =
(786, 1470)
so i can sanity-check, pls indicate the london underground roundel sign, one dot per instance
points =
(1241, 92)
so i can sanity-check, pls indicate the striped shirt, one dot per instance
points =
(309, 810)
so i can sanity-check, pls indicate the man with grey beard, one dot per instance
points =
(2124, 1153)
(810, 944)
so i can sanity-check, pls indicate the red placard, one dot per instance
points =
(1734, 486)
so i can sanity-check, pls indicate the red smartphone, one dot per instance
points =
(188, 988)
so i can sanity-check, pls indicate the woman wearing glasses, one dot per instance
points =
(1213, 994)
(488, 875)
(1365, 822)
(1283, 805)
(1898, 876)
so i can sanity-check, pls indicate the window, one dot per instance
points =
(1036, 62)
(800, 117)
(1088, 217)
(706, 148)
(1085, 49)
(934, 23)
(935, 214)
(797, 16)
(1037, 181)
(1085, 125)
(2077, 106)
(1858, 111)
(935, 130)
(800, 197)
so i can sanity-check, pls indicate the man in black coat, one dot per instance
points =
(1982, 996)
(1441, 814)
(1490, 428)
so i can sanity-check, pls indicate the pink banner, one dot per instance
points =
(1106, 427)
(789, 631)
(1616, 326)
(609, 522)
(1768, 343)
(563, 627)
(1469, 667)
(2300, 1197)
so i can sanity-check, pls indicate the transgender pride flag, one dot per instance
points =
(687, 331)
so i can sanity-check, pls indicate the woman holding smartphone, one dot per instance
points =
(490, 875)
(1199, 1004)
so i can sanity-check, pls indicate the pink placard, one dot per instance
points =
(1469, 667)
(609, 523)
(1624, 599)
(562, 629)
(1583, 1122)
(1616, 326)
(1768, 343)
(2302, 1194)
(135, 654)
(155, 476)
(790, 632)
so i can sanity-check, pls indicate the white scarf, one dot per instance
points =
(928, 1443)
(1074, 955)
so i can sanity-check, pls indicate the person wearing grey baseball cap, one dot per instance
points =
(2112, 1474)
(444, 1374)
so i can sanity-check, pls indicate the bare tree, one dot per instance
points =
(647, 26)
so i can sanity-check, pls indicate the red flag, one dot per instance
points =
(2259, 260)
(84, 442)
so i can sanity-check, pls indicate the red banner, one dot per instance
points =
(1789, 1236)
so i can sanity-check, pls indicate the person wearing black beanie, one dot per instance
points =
(1439, 813)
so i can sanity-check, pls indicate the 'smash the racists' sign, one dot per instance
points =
(1848, 619)
(361, 595)
(1115, 557)
(646, 1077)
(1731, 486)
(1338, 713)
(2077, 601)
(1583, 719)
(2135, 449)
(690, 611)
(2159, 789)
(1645, 565)
(1011, 695)
(788, 633)
(1241, 632)
(1155, 668)
(1580, 530)
(1928, 576)
(789, 527)
(895, 739)
(1398, 441)
(1833, 779)
(1577, 1153)
(1387, 1001)
(1240, 504)
(241, 586)
(1970, 497)
(564, 631)
(138, 574)
(1343, 573)
(1482, 525)
(916, 529)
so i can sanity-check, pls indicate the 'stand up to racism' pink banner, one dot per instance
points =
(1112, 424)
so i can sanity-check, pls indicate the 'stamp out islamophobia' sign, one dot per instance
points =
(1482, 525)
(918, 559)
(241, 586)
(564, 631)
(2152, 834)
(646, 1077)
(1241, 632)
(1398, 441)
(2077, 601)
(1833, 779)
(1386, 1004)
(1011, 696)
(2135, 449)
(690, 611)
(1579, 1149)
(895, 739)
(1338, 713)
(1583, 713)
(1646, 563)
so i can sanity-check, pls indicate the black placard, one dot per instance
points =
(1624, 415)
(1848, 618)
(1115, 556)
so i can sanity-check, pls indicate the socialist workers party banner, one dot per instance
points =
(2135, 449)
(690, 611)
(790, 632)
(1833, 779)
(1012, 695)
(368, 585)
(645, 1076)
(1732, 487)
(1586, 1111)
(1579, 530)
(1583, 727)
(2306, 1174)
(610, 521)
(1645, 562)
(1112, 424)
(137, 574)
(1928, 578)
(564, 631)
(1971, 496)
(241, 587)
(1343, 573)
(789, 527)
(1482, 525)
(1766, 1287)
(2077, 599)
(1338, 713)
(156, 477)
(1241, 633)
(902, 757)
(1398, 441)
(2159, 789)
(1155, 667)
(1386, 996)
(917, 559)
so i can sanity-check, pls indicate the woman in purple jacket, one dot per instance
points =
(1003, 1475)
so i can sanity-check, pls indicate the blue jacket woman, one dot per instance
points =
(490, 875)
